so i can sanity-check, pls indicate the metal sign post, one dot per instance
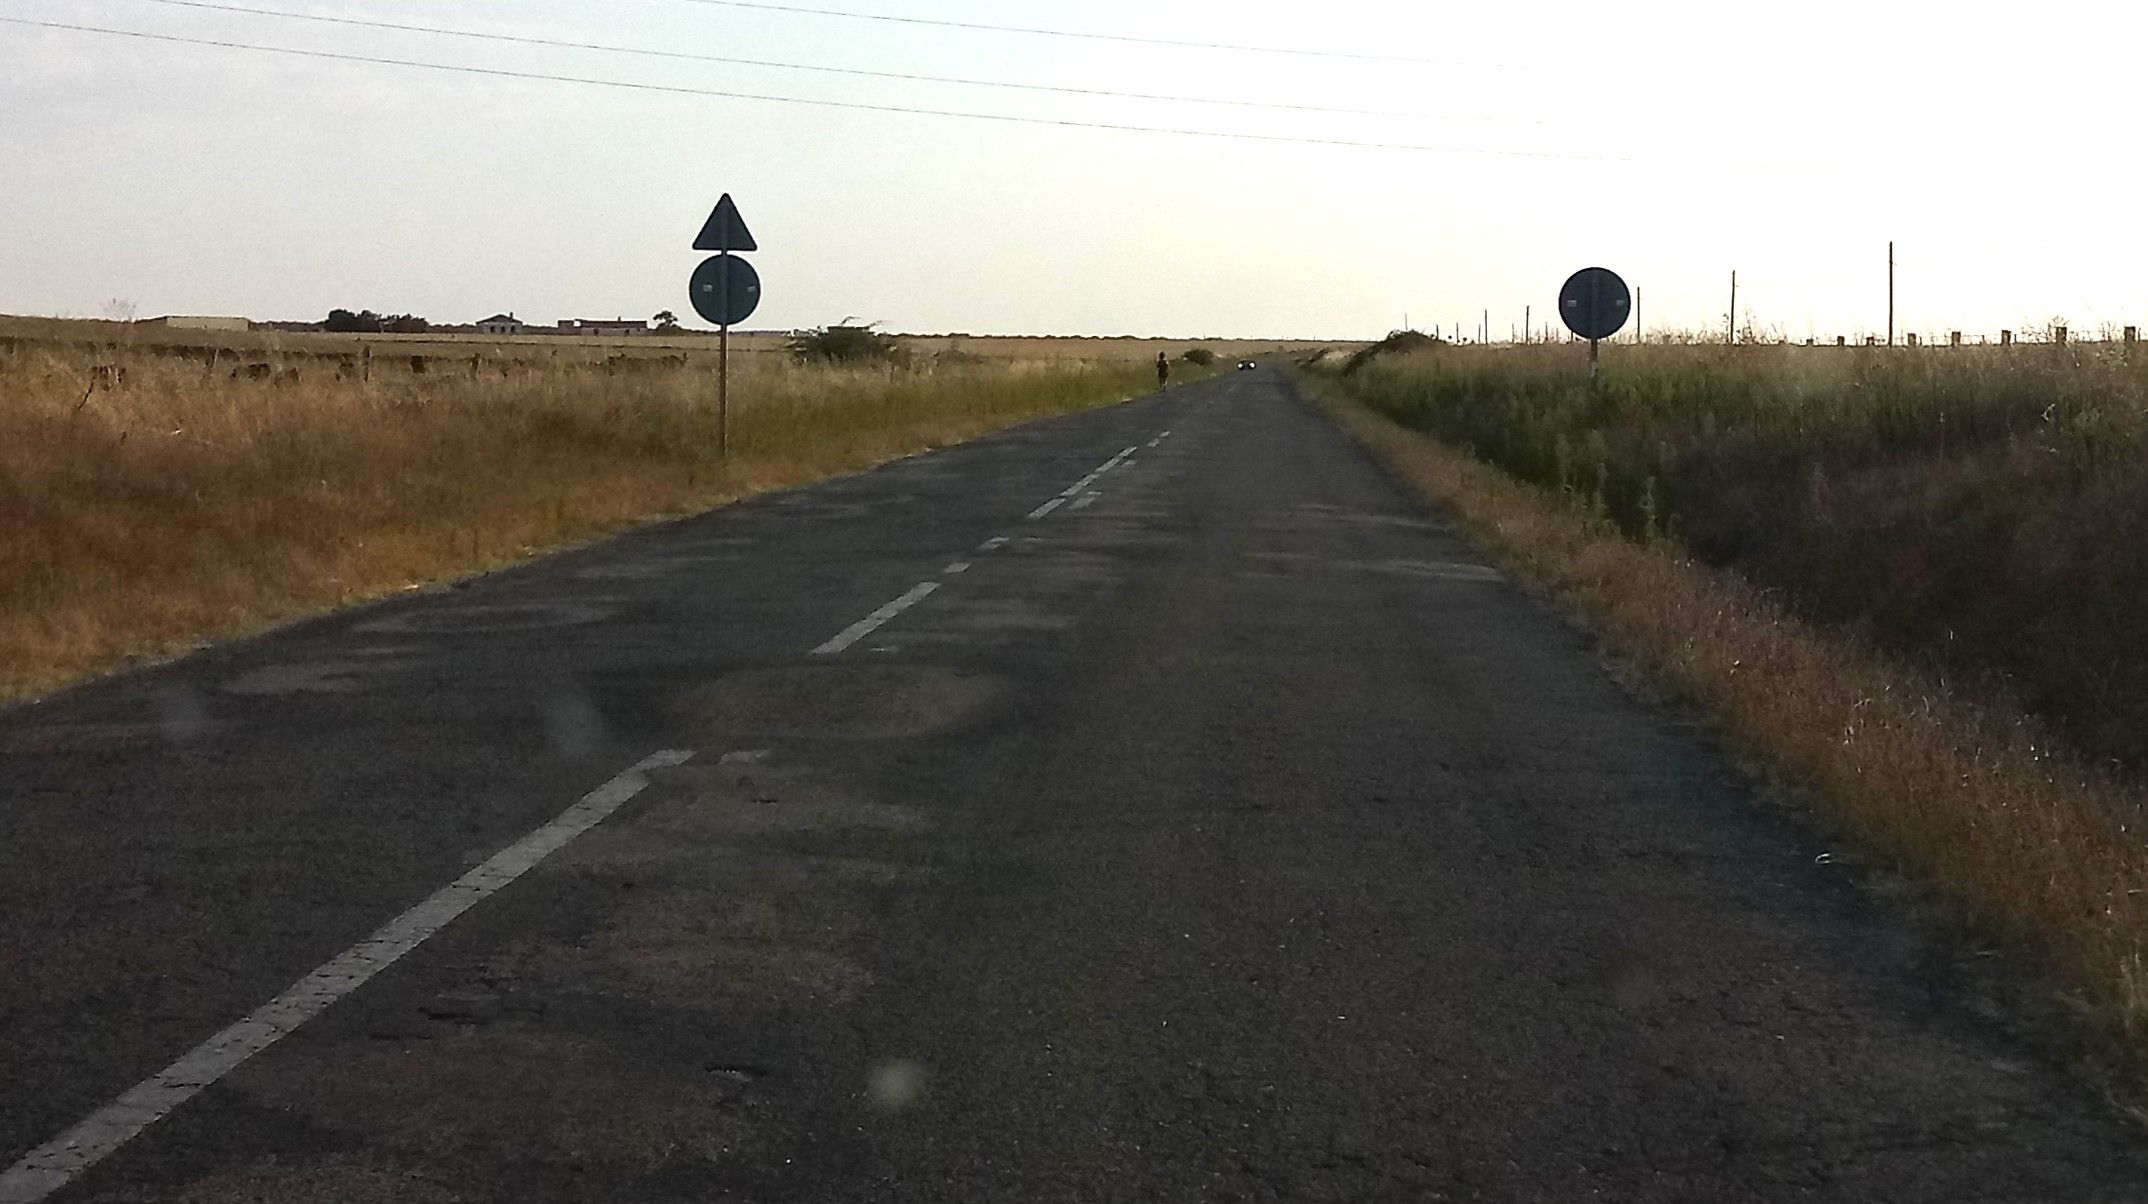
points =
(725, 291)
(723, 390)
(1594, 303)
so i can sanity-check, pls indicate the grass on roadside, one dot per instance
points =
(2011, 835)
(149, 502)
(1975, 509)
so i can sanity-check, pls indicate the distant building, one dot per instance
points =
(504, 324)
(602, 328)
(195, 322)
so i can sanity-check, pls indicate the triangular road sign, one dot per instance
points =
(726, 230)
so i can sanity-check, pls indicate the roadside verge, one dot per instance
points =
(2008, 836)
(165, 505)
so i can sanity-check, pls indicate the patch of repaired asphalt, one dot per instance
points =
(568, 1099)
(732, 889)
(340, 1181)
(844, 701)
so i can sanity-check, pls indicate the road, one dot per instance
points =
(1144, 805)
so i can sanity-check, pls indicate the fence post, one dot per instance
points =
(2006, 338)
(1954, 339)
(2058, 335)
(2133, 335)
(1912, 337)
(1842, 340)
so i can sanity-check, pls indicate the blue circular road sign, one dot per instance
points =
(725, 289)
(1595, 303)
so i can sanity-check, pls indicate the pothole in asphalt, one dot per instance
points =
(738, 1075)
(98, 737)
(1433, 570)
(822, 506)
(329, 676)
(481, 618)
(648, 565)
(856, 702)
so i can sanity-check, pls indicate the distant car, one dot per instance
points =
(1247, 365)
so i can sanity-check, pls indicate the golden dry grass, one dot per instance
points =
(184, 502)
(2005, 830)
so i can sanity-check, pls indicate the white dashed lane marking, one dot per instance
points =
(924, 589)
(49, 1167)
(53, 1165)
(1066, 495)
(870, 623)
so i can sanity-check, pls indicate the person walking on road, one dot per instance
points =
(1163, 370)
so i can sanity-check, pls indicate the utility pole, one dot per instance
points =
(1890, 292)
(1637, 315)
(1734, 307)
(1484, 328)
(1525, 323)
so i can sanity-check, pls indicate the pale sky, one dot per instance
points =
(1669, 141)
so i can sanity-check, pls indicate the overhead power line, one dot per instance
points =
(690, 56)
(681, 90)
(1136, 39)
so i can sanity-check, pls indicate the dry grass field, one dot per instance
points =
(1860, 565)
(152, 497)
(746, 345)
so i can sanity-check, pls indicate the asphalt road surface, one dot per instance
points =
(1145, 805)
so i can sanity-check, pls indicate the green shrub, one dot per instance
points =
(845, 345)
(1398, 342)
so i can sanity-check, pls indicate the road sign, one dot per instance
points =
(725, 289)
(725, 231)
(1595, 303)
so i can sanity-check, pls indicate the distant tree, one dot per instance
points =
(343, 321)
(666, 320)
(1199, 357)
(365, 321)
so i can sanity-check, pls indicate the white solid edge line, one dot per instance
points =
(865, 626)
(958, 566)
(51, 1166)
(1047, 508)
(993, 544)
